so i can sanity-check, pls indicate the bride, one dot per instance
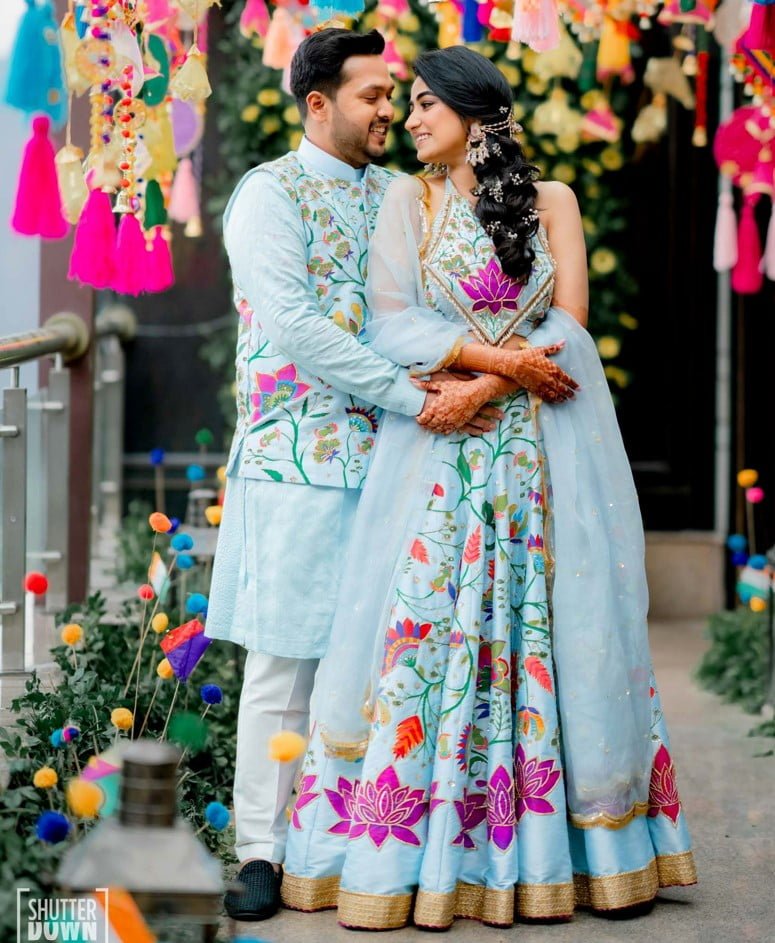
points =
(489, 740)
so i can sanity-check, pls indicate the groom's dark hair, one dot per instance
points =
(318, 62)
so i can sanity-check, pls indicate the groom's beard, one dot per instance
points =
(358, 147)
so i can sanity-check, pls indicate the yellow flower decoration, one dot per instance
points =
(611, 158)
(628, 321)
(568, 142)
(409, 22)
(268, 97)
(602, 261)
(535, 85)
(592, 190)
(122, 718)
(221, 474)
(291, 115)
(84, 799)
(565, 173)
(608, 347)
(618, 376)
(45, 778)
(593, 167)
(250, 113)
(518, 111)
(509, 72)
(549, 147)
(589, 225)
(164, 669)
(271, 125)
(160, 622)
(295, 139)
(71, 634)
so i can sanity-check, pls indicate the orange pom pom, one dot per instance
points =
(214, 513)
(747, 477)
(122, 718)
(159, 522)
(164, 669)
(757, 604)
(45, 778)
(72, 634)
(287, 746)
(84, 798)
(160, 622)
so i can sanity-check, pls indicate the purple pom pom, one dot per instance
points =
(739, 558)
(157, 456)
(70, 733)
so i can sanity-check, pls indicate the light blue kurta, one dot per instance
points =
(309, 393)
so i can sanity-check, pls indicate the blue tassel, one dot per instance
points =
(472, 28)
(346, 7)
(81, 19)
(36, 81)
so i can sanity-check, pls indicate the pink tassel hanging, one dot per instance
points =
(184, 198)
(254, 19)
(747, 278)
(536, 23)
(93, 259)
(768, 260)
(38, 207)
(725, 239)
(131, 257)
(160, 274)
(760, 34)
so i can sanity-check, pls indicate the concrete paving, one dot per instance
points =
(729, 796)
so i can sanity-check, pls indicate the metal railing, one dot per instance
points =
(65, 338)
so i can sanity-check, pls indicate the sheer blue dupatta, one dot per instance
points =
(599, 593)
(403, 330)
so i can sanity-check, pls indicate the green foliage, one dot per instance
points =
(87, 686)
(134, 544)
(258, 121)
(735, 665)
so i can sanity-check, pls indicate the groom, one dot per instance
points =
(308, 391)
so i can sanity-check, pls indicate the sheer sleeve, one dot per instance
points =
(401, 327)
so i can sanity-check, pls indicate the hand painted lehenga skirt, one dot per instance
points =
(458, 807)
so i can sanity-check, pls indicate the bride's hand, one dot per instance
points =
(532, 369)
(454, 405)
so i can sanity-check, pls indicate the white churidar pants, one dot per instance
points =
(275, 697)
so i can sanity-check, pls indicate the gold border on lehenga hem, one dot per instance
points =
(374, 911)
(605, 820)
(676, 870)
(309, 894)
(488, 904)
(615, 891)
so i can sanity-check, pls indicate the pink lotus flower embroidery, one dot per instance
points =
(472, 811)
(342, 801)
(304, 797)
(663, 793)
(386, 809)
(501, 817)
(491, 288)
(534, 780)
(276, 389)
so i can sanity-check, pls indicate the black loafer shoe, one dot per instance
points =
(259, 895)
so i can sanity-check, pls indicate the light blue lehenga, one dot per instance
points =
(488, 736)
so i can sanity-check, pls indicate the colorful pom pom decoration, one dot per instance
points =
(185, 562)
(195, 473)
(286, 746)
(754, 495)
(174, 525)
(157, 457)
(52, 827)
(757, 604)
(211, 693)
(45, 778)
(84, 798)
(758, 561)
(71, 634)
(122, 718)
(217, 815)
(747, 477)
(159, 522)
(36, 583)
(57, 738)
(182, 542)
(145, 592)
(739, 558)
(737, 543)
(70, 734)
(214, 513)
(188, 731)
(164, 670)
(196, 603)
(160, 622)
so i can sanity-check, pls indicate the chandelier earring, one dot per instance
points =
(477, 150)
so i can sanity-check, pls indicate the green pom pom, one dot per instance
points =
(155, 214)
(188, 731)
(204, 437)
